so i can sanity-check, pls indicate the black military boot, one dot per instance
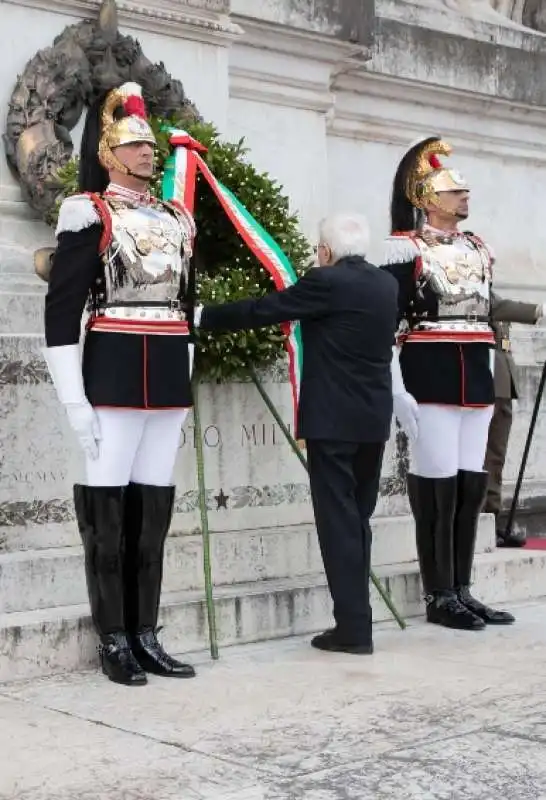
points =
(433, 503)
(99, 512)
(509, 539)
(148, 513)
(470, 496)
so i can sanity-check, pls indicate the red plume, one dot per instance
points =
(434, 161)
(135, 107)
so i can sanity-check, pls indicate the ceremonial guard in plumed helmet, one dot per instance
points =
(443, 375)
(125, 257)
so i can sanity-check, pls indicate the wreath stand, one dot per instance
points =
(205, 532)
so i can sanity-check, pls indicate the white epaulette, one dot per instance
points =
(399, 250)
(77, 213)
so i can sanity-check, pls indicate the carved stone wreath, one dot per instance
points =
(56, 86)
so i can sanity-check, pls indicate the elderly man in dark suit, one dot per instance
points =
(503, 312)
(348, 313)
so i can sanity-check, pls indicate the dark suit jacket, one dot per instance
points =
(348, 320)
(503, 312)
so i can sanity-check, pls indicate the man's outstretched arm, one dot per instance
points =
(309, 297)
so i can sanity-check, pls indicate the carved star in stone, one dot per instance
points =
(221, 500)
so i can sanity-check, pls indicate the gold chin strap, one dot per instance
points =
(438, 203)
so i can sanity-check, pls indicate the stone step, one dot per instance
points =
(22, 308)
(42, 642)
(35, 579)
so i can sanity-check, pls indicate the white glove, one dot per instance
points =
(198, 310)
(406, 411)
(406, 408)
(191, 356)
(64, 366)
(85, 424)
(541, 315)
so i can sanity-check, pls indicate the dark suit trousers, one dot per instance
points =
(495, 456)
(344, 479)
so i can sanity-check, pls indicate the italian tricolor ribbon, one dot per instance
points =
(180, 172)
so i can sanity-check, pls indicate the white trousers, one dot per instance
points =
(137, 446)
(450, 439)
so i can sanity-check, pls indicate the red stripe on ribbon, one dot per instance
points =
(264, 260)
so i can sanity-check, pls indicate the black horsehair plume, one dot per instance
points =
(404, 216)
(92, 175)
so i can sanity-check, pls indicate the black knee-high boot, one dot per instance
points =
(472, 487)
(148, 513)
(99, 512)
(433, 503)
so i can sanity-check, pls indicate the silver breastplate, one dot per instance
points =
(148, 255)
(459, 274)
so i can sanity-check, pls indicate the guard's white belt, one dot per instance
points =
(142, 313)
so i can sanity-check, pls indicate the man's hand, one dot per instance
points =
(406, 410)
(84, 422)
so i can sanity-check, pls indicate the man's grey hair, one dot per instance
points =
(345, 234)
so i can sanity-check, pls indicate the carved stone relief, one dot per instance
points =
(59, 81)
(534, 15)
(216, 6)
(530, 13)
(513, 9)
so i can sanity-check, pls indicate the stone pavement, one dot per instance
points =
(433, 714)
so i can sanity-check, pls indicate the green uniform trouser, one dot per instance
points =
(497, 445)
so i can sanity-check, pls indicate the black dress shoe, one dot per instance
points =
(489, 615)
(445, 608)
(118, 661)
(153, 658)
(510, 539)
(329, 640)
